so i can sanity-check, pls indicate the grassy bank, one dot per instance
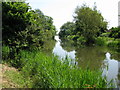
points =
(109, 42)
(42, 71)
(11, 77)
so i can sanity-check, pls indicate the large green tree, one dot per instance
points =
(15, 18)
(24, 28)
(89, 23)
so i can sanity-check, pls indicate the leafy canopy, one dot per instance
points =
(89, 23)
(24, 28)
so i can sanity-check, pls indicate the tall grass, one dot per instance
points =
(42, 71)
(49, 72)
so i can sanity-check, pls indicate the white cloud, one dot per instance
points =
(62, 10)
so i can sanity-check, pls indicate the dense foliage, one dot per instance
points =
(89, 28)
(26, 31)
(115, 32)
(89, 23)
(24, 28)
(67, 29)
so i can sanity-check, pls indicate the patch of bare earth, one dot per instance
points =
(5, 82)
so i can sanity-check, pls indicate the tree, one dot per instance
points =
(67, 29)
(15, 18)
(89, 23)
(24, 28)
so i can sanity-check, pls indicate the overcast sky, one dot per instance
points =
(63, 10)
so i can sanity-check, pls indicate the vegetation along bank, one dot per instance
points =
(25, 33)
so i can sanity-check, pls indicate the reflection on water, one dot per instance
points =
(108, 55)
(48, 46)
(110, 69)
(58, 50)
(92, 57)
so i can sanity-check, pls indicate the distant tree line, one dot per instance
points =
(87, 26)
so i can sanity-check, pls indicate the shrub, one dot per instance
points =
(5, 52)
(105, 34)
(26, 29)
(115, 32)
(101, 41)
(113, 43)
(81, 41)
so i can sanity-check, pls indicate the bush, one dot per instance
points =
(101, 41)
(5, 52)
(81, 41)
(105, 34)
(26, 29)
(114, 43)
(115, 32)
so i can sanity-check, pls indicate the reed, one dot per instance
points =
(49, 72)
(42, 71)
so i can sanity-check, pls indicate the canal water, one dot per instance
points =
(103, 58)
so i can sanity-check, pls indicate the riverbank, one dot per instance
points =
(38, 70)
(6, 77)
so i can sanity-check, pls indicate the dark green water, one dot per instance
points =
(92, 57)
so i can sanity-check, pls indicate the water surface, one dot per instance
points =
(92, 57)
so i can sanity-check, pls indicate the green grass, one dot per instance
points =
(38, 70)
(17, 79)
(49, 72)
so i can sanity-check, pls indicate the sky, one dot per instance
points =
(63, 10)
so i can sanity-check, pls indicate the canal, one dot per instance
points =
(103, 58)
